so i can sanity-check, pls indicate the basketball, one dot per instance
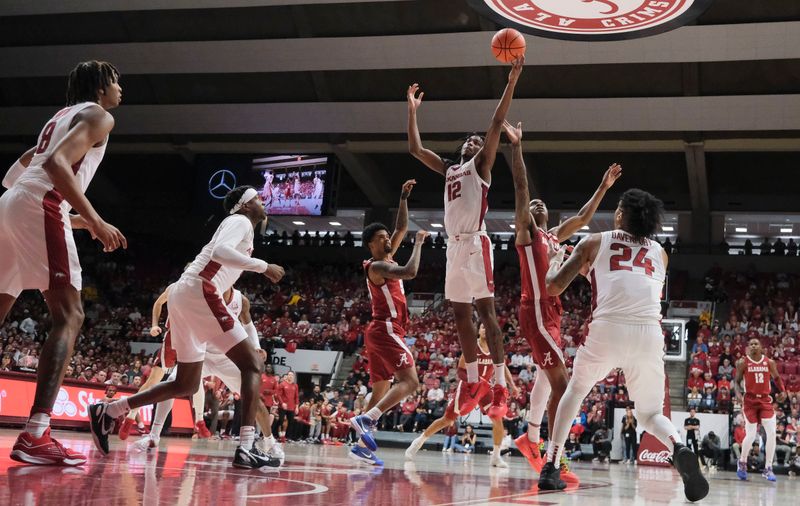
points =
(507, 45)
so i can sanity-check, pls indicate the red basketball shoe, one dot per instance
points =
(44, 451)
(531, 452)
(469, 394)
(499, 406)
(202, 430)
(125, 428)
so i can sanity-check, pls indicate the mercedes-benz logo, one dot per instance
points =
(220, 183)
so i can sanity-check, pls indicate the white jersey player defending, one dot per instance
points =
(199, 319)
(470, 263)
(37, 249)
(627, 272)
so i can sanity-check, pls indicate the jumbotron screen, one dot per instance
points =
(293, 185)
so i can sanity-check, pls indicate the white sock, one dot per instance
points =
(374, 414)
(132, 413)
(770, 426)
(162, 411)
(751, 431)
(247, 435)
(500, 374)
(37, 424)
(472, 372)
(198, 403)
(496, 451)
(116, 409)
(534, 433)
(140, 425)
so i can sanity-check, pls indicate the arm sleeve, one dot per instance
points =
(231, 234)
(13, 174)
(252, 334)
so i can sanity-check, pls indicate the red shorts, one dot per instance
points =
(540, 325)
(757, 408)
(167, 358)
(387, 353)
(484, 403)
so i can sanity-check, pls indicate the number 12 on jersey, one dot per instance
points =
(453, 190)
(617, 262)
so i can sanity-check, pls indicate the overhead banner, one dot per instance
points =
(592, 19)
(305, 361)
(71, 408)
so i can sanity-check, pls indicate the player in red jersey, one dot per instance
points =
(469, 275)
(36, 241)
(757, 370)
(540, 314)
(486, 372)
(387, 353)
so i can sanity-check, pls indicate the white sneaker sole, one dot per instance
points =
(21, 456)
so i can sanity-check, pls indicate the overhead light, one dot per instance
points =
(513, 226)
(668, 229)
(298, 223)
(786, 230)
(585, 227)
(741, 229)
(335, 223)
(436, 225)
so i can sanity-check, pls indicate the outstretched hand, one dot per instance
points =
(612, 174)
(516, 69)
(408, 186)
(513, 133)
(414, 101)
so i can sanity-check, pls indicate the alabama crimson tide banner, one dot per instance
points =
(592, 19)
(651, 451)
(72, 403)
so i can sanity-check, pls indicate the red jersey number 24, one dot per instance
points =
(618, 262)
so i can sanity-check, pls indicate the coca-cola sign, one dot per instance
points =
(661, 457)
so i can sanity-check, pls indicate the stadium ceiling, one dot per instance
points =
(687, 112)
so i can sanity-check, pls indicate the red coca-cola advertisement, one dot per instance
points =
(74, 398)
(651, 451)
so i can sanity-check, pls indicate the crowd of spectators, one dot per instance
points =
(761, 306)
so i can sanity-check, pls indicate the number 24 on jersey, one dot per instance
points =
(622, 260)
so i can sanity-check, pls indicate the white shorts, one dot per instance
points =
(198, 317)
(219, 365)
(37, 249)
(470, 267)
(636, 349)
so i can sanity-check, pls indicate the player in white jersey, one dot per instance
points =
(36, 243)
(217, 364)
(199, 319)
(469, 275)
(627, 272)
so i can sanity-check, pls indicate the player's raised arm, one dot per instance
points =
(157, 306)
(484, 160)
(570, 226)
(16, 170)
(522, 215)
(401, 225)
(387, 270)
(93, 127)
(426, 156)
(558, 279)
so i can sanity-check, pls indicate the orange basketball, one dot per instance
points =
(508, 44)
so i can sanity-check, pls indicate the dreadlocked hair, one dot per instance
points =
(86, 78)
(642, 212)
